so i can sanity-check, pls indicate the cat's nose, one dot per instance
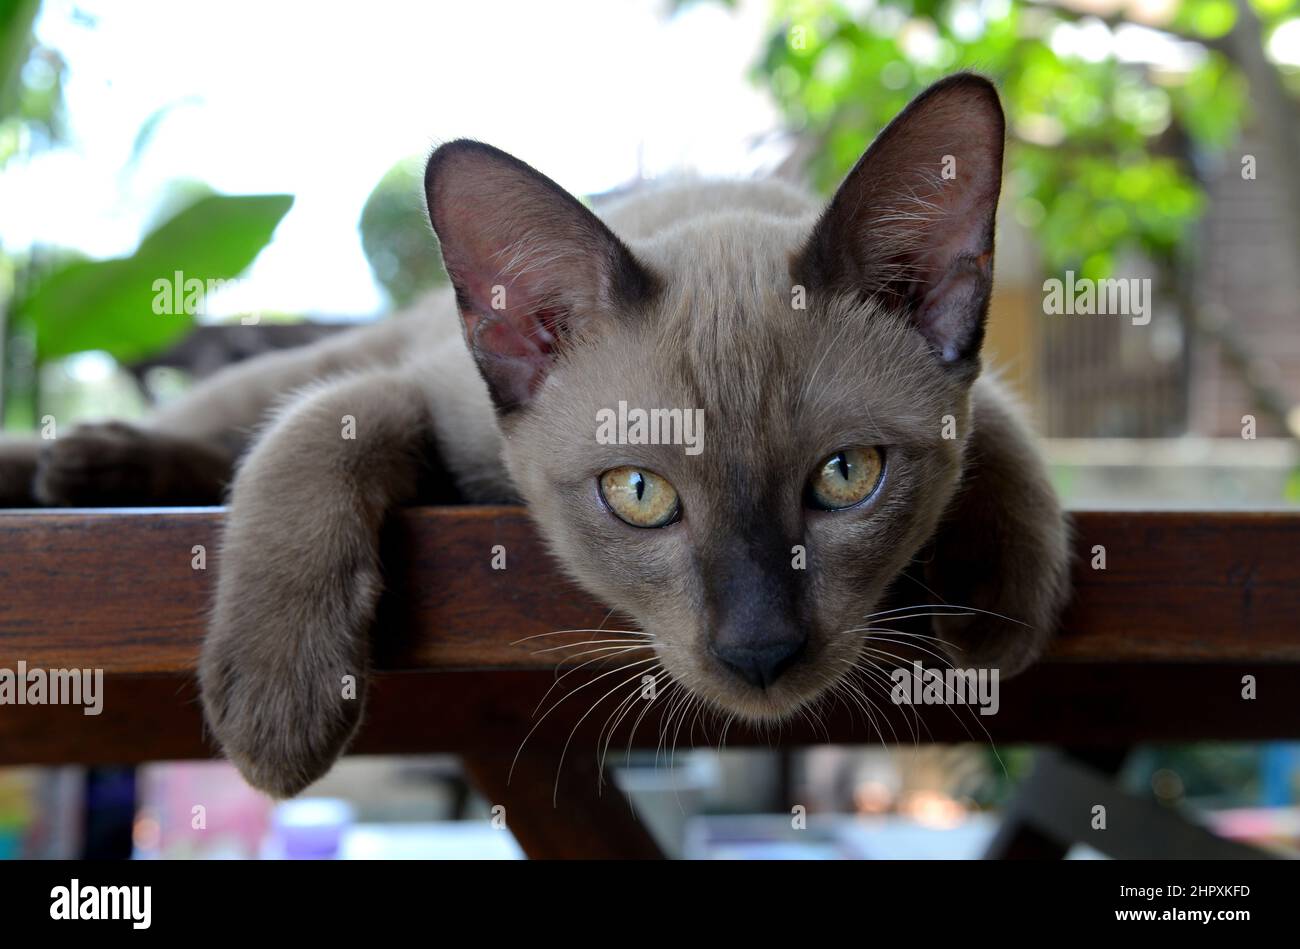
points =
(759, 664)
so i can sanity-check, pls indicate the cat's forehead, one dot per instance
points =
(722, 328)
(735, 255)
(765, 360)
(732, 310)
(728, 294)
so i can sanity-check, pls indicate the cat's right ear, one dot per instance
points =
(530, 264)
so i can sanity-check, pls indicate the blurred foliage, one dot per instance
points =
(1292, 491)
(1096, 163)
(109, 304)
(31, 84)
(396, 236)
(176, 195)
(55, 303)
(1222, 774)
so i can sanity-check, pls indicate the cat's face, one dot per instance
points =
(758, 587)
(827, 363)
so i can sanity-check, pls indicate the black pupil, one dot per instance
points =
(843, 465)
(639, 481)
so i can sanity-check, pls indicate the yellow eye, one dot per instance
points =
(639, 497)
(846, 477)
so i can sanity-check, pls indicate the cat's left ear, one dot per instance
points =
(912, 224)
(531, 265)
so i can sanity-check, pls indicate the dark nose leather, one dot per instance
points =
(757, 627)
(759, 664)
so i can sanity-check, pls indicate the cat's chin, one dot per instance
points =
(800, 687)
(764, 708)
(758, 706)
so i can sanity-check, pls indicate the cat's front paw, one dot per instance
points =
(285, 662)
(17, 470)
(283, 668)
(94, 465)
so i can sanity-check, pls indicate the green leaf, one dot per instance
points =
(395, 234)
(16, 18)
(109, 304)
(1087, 158)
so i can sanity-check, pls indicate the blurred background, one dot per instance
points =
(273, 152)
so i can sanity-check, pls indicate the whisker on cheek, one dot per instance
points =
(854, 684)
(674, 683)
(623, 710)
(944, 607)
(635, 677)
(608, 632)
(605, 652)
(948, 705)
(572, 692)
(904, 642)
(915, 723)
(679, 701)
(587, 642)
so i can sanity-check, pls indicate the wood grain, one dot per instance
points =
(157, 718)
(116, 590)
(1154, 647)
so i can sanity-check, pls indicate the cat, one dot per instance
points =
(848, 434)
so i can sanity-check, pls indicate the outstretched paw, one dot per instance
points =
(283, 732)
(115, 464)
(101, 464)
(284, 666)
(18, 458)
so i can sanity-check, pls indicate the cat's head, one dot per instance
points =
(829, 358)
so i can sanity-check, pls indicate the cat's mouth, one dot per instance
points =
(765, 684)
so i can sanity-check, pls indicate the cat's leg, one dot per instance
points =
(117, 464)
(284, 665)
(18, 461)
(1003, 546)
(185, 452)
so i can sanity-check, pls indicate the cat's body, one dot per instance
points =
(220, 417)
(751, 597)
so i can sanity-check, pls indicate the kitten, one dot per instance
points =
(835, 357)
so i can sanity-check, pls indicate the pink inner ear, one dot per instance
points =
(552, 263)
(515, 344)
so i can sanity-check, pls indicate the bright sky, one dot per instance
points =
(319, 100)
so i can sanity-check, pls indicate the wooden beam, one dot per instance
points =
(569, 816)
(116, 589)
(158, 718)
(1155, 646)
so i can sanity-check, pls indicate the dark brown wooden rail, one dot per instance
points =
(116, 589)
(1154, 647)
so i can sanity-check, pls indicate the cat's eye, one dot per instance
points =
(846, 478)
(639, 497)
